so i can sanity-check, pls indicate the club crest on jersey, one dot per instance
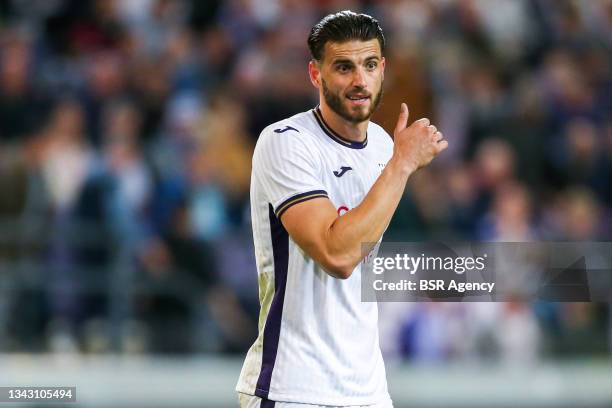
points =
(343, 169)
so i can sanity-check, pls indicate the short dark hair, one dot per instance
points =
(342, 27)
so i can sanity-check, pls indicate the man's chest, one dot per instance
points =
(348, 177)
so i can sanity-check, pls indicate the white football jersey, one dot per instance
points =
(317, 343)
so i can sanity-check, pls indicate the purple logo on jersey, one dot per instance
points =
(286, 128)
(343, 170)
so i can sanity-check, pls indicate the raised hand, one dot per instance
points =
(416, 145)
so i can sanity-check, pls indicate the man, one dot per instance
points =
(324, 182)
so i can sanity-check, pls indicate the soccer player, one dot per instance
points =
(324, 182)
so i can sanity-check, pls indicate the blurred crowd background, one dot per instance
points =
(126, 134)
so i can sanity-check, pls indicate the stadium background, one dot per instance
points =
(126, 132)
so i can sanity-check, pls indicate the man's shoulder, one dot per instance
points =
(294, 130)
(298, 123)
(378, 134)
(287, 138)
(377, 130)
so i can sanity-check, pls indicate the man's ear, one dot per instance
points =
(314, 73)
(382, 64)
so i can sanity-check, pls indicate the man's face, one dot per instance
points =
(351, 77)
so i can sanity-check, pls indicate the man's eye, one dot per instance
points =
(343, 68)
(371, 65)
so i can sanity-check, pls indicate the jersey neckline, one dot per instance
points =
(335, 136)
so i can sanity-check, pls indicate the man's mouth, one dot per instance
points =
(358, 99)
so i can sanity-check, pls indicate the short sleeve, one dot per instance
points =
(287, 169)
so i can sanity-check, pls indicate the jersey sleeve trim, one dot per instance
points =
(299, 198)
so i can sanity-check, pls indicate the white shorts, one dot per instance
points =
(251, 401)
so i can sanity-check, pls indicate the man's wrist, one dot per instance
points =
(403, 167)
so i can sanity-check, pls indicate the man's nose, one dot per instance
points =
(359, 78)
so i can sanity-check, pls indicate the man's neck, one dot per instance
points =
(355, 132)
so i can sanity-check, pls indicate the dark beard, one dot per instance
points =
(335, 102)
